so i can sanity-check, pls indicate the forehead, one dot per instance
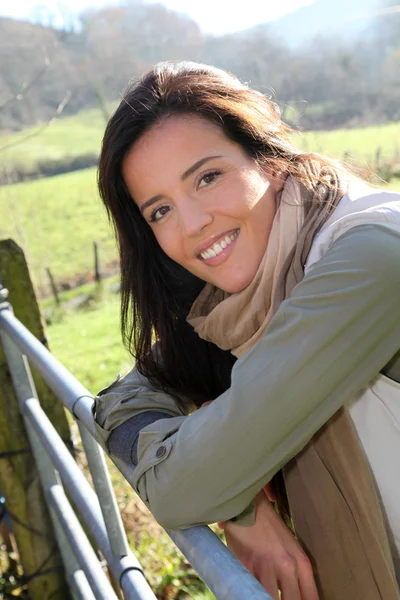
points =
(170, 147)
(178, 132)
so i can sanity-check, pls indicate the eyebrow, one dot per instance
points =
(184, 176)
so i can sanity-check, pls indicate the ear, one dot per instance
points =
(277, 180)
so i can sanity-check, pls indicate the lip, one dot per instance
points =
(211, 240)
(215, 261)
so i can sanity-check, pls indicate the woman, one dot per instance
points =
(235, 245)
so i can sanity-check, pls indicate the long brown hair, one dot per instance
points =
(156, 292)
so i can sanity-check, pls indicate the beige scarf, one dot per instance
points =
(333, 501)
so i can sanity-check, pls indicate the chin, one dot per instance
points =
(240, 278)
(233, 289)
(234, 280)
(234, 286)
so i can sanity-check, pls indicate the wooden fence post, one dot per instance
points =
(53, 286)
(19, 479)
(97, 274)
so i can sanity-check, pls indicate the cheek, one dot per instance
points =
(244, 194)
(170, 243)
(236, 200)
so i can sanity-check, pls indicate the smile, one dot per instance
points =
(219, 246)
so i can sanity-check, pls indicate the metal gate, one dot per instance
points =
(226, 577)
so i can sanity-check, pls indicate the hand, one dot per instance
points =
(272, 554)
(206, 403)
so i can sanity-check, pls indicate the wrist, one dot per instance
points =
(270, 492)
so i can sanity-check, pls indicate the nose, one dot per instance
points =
(193, 218)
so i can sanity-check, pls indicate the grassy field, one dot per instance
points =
(56, 220)
(67, 136)
(82, 133)
(88, 343)
(360, 144)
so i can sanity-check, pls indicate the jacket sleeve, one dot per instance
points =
(338, 329)
(125, 399)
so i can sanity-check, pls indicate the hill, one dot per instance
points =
(344, 79)
(342, 19)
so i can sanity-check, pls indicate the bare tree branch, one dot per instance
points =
(56, 114)
(27, 86)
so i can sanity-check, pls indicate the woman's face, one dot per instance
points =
(208, 204)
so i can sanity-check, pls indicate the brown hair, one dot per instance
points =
(156, 292)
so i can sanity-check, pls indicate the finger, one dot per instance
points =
(288, 579)
(269, 582)
(270, 493)
(289, 587)
(308, 587)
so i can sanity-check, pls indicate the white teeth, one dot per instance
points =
(218, 246)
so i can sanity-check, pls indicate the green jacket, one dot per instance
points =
(339, 328)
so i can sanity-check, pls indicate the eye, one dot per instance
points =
(208, 178)
(158, 213)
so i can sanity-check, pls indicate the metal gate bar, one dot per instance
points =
(127, 569)
(80, 586)
(221, 571)
(47, 473)
(104, 490)
(83, 550)
(86, 501)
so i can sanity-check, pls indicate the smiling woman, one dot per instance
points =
(202, 213)
(269, 280)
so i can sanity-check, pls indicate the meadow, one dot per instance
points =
(363, 145)
(88, 343)
(68, 136)
(56, 220)
(82, 133)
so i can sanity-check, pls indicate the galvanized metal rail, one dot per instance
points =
(220, 570)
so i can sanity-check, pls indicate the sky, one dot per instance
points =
(213, 16)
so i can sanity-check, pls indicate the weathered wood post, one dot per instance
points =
(97, 274)
(19, 479)
(53, 286)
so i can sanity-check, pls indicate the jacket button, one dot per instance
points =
(161, 451)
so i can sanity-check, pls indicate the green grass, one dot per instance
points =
(361, 144)
(81, 134)
(394, 185)
(88, 343)
(87, 289)
(67, 136)
(56, 220)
